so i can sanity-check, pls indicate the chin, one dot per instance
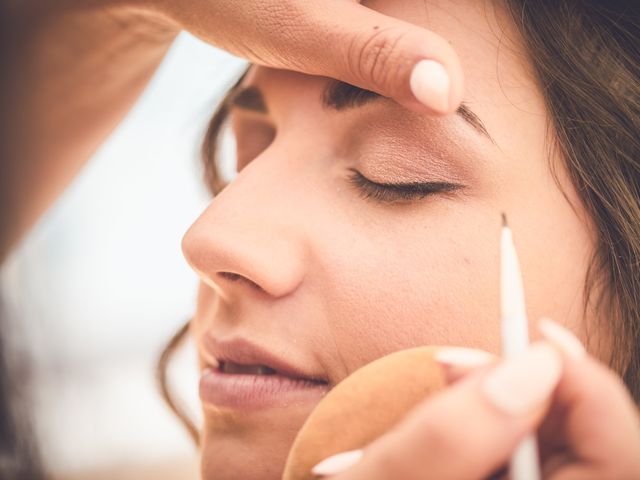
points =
(250, 445)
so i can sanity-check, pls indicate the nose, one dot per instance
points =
(247, 240)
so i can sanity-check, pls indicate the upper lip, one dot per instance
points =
(244, 352)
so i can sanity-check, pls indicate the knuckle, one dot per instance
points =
(436, 436)
(375, 59)
(269, 41)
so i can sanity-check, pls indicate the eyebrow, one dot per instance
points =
(341, 96)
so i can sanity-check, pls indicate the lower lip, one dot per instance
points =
(257, 391)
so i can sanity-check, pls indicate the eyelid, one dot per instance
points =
(395, 192)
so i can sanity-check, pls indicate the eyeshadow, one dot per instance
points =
(414, 148)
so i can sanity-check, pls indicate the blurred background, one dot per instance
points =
(99, 286)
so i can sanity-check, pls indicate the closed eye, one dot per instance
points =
(398, 192)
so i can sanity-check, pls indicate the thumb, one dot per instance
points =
(340, 39)
(397, 59)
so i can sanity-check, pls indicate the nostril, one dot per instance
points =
(234, 277)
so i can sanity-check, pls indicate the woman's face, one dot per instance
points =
(330, 273)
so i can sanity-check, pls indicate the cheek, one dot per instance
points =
(429, 281)
(555, 247)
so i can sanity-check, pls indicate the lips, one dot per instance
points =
(241, 351)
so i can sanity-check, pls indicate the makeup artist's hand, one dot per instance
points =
(334, 38)
(588, 426)
(122, 42)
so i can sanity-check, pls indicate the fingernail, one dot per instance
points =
(463, 357)
(519, 385)
(337, 463)
(562, 338)
(431, 85)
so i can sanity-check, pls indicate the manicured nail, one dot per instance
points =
(562, 338)
(431, 85)
(463, 357)
(523, 383)
(337, 463)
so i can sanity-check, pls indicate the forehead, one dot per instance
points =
(483, 35)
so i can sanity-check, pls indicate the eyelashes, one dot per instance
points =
(398, 192)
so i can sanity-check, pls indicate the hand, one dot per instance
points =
(587, 422)
(123, 41)
(335, 38)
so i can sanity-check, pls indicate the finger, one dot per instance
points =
(335, 38)
(469, 430)
(599, 424)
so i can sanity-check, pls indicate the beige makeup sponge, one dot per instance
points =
(363, 406)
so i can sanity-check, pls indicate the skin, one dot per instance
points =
(319, 268)
(345, 280)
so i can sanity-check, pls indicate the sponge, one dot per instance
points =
(364, 406)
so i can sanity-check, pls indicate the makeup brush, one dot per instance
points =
(515, 340)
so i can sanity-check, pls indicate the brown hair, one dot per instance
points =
(586, 56)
